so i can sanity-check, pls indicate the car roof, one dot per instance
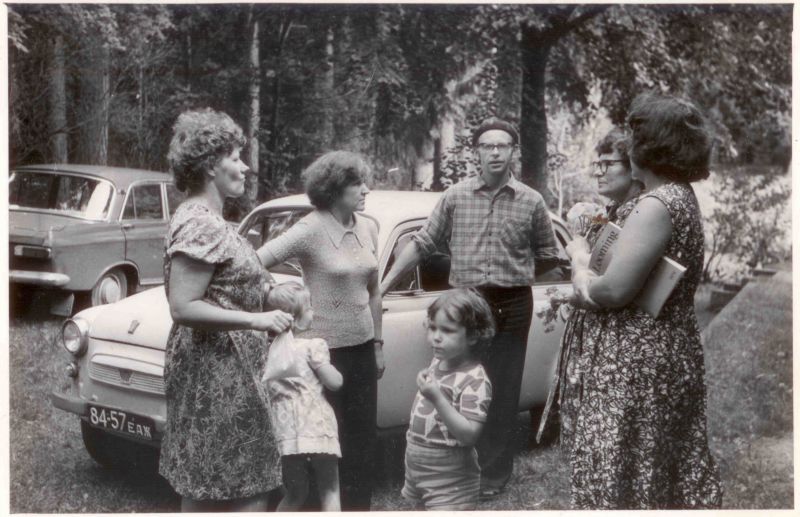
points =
(120, 176)
(389, 207)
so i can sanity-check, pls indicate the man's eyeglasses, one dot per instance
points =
(603, 165)
(487, 148)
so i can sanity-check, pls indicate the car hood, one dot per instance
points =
(34, 227)
(142, 319)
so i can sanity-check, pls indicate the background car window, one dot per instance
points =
(174, 198)
(144, 202)
(409, 281)
(72, 195)
(265, 226)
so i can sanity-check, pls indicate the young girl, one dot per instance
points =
(303, 422)
(451, 405)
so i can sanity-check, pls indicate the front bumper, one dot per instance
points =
(38, 278)
(79, 407)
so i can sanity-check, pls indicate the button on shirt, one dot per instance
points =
(494, 239)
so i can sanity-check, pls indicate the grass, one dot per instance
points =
(748, 358)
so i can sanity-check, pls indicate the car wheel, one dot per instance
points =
(113, 452)
(112, 287)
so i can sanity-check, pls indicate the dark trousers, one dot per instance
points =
(504, 361)
(356, 408)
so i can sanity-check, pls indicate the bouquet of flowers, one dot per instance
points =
(582, 216)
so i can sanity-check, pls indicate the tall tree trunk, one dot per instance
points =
(268, 177)
(140, 133)
(57, 120)
(95, 102)
(254, 127)
(436, 182)
(327, 93)
(533, 116)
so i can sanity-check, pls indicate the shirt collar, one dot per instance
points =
(336, 231)
(512, 184)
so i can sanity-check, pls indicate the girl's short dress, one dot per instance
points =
(302, 420)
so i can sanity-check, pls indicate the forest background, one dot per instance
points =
(404, 84)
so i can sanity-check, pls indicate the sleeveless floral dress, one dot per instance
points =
(634, 395)
(218, 442)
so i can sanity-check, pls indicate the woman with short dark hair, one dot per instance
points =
(640, 425)
(612, 170)
(218, 451)
(337, 249)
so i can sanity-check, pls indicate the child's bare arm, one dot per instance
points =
(463, 429)
(330, 376)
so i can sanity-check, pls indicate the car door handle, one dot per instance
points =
(385, 309)
(127, 226)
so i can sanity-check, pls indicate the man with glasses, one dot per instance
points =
(498, 232)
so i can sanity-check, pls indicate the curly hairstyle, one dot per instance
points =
(200, 139)
(670, 137)
(289, 297)
(467, 307)
(326, 178)
(616, 140)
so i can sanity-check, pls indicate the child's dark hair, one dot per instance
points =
(468, 308)
(289, 297)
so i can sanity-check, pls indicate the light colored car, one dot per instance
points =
(117, 350)
(88, 230)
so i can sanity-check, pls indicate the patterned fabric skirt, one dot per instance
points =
(635, 412)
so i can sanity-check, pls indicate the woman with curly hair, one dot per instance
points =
(640, 425)
(218, 451)
(337, 249)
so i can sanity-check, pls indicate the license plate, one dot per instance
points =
(122, 422)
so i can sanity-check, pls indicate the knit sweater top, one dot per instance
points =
(338, 263)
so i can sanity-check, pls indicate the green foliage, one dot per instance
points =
(748, 226)
(385, 79)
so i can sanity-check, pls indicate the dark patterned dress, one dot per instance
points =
(218, 441)
(566, 384)
(634, 397)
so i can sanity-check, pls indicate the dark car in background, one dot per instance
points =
(92, 231)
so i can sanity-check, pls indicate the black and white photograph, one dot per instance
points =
(276, 257)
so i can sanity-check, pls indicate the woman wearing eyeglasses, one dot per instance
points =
(613, 173)
(633, 388)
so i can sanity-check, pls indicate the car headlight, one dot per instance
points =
(75, 336)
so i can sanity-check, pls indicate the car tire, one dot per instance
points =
(111, 287)
(113, 452)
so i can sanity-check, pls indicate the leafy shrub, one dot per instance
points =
(748, 226)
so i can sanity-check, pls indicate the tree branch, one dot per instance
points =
(554, 33)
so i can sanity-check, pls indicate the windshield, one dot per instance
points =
(76, 196)
(265, 226)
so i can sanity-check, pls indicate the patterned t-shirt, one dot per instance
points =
(469, 391)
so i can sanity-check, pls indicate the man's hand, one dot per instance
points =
(380, 363)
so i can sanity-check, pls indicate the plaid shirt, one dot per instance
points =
(492, 240)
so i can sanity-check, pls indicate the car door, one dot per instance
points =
(145, 225)
(547, 327)
(406, 350)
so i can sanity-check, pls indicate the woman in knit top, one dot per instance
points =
(337, 250)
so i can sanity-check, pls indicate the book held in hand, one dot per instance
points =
(659, 284)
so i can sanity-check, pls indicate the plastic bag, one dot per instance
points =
(281, 362)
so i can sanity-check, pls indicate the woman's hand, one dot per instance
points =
(428, 385)
(581, 282)
(274, 321)
(576, 245)
(380, 363)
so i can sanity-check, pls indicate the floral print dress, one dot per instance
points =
(218, 441)
(634, 395)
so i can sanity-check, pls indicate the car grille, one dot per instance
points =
(127, 378)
